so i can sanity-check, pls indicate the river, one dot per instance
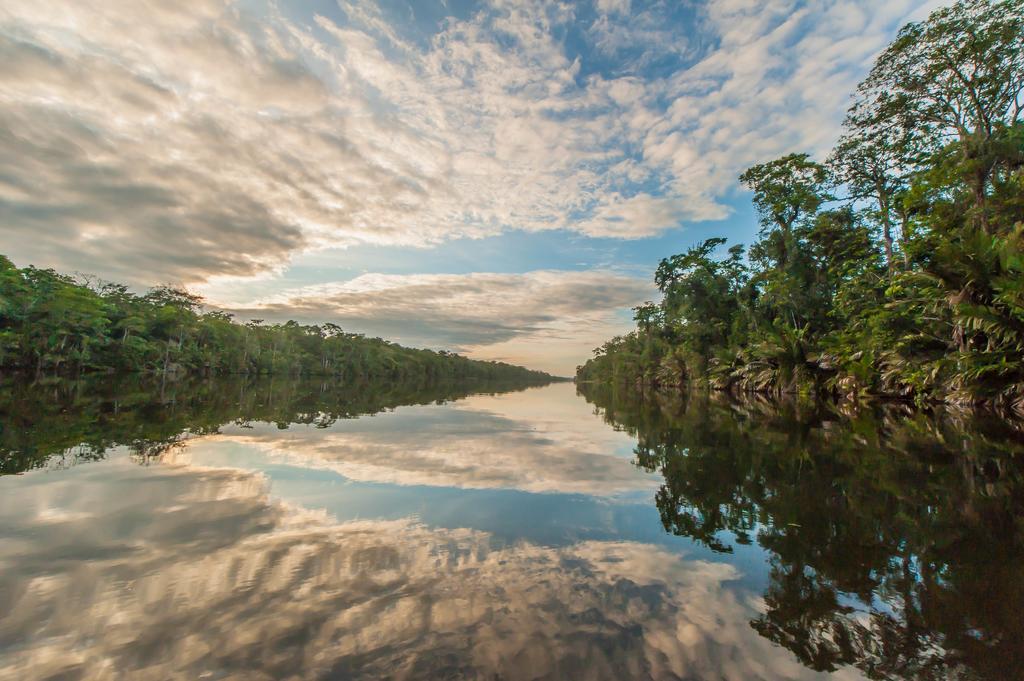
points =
(290, 529)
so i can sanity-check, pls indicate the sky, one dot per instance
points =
(498, 178)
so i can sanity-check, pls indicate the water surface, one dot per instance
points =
(295, 529)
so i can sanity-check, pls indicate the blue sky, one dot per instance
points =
(499, 178)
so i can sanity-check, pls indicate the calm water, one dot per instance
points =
(302, 530)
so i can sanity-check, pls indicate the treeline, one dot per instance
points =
(895, 267)
(53, 324)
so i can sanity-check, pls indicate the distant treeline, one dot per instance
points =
(894, 268)
(54, 324)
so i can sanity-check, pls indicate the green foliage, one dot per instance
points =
(786, 190)
(833, 299)
(51, 324)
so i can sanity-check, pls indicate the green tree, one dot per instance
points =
(786, 191)
(933, 143)
(959, 74)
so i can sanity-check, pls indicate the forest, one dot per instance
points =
(894, 267)
(56, 325)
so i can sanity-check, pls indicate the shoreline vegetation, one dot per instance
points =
(893, 269)
(52, 324)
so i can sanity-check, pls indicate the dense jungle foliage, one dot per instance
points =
(54, 324)
(893, 534)
(895, 267)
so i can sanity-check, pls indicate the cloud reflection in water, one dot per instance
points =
(115, 570)
(542, 440)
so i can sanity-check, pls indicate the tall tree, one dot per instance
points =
(786, 191)
(876, 164)
(958, 75)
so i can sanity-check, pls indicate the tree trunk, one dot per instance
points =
(981, 202)
(883, 206)
(905, 238)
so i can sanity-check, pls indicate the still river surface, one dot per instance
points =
(303, 530)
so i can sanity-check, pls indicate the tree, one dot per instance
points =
(959, 74)
(934, 141)
(876, 165)
(786, 191)
(55, 324)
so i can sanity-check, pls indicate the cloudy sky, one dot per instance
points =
(496, 177)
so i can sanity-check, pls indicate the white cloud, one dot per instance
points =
(613, 6)
(546, 319)
(544, 441)
(176, 141)
(778, 80)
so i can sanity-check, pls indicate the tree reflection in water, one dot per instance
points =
(895, 537)
(62, 422)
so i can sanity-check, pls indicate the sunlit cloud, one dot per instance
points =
(494, 315)
(150, 141)
(219, 143)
